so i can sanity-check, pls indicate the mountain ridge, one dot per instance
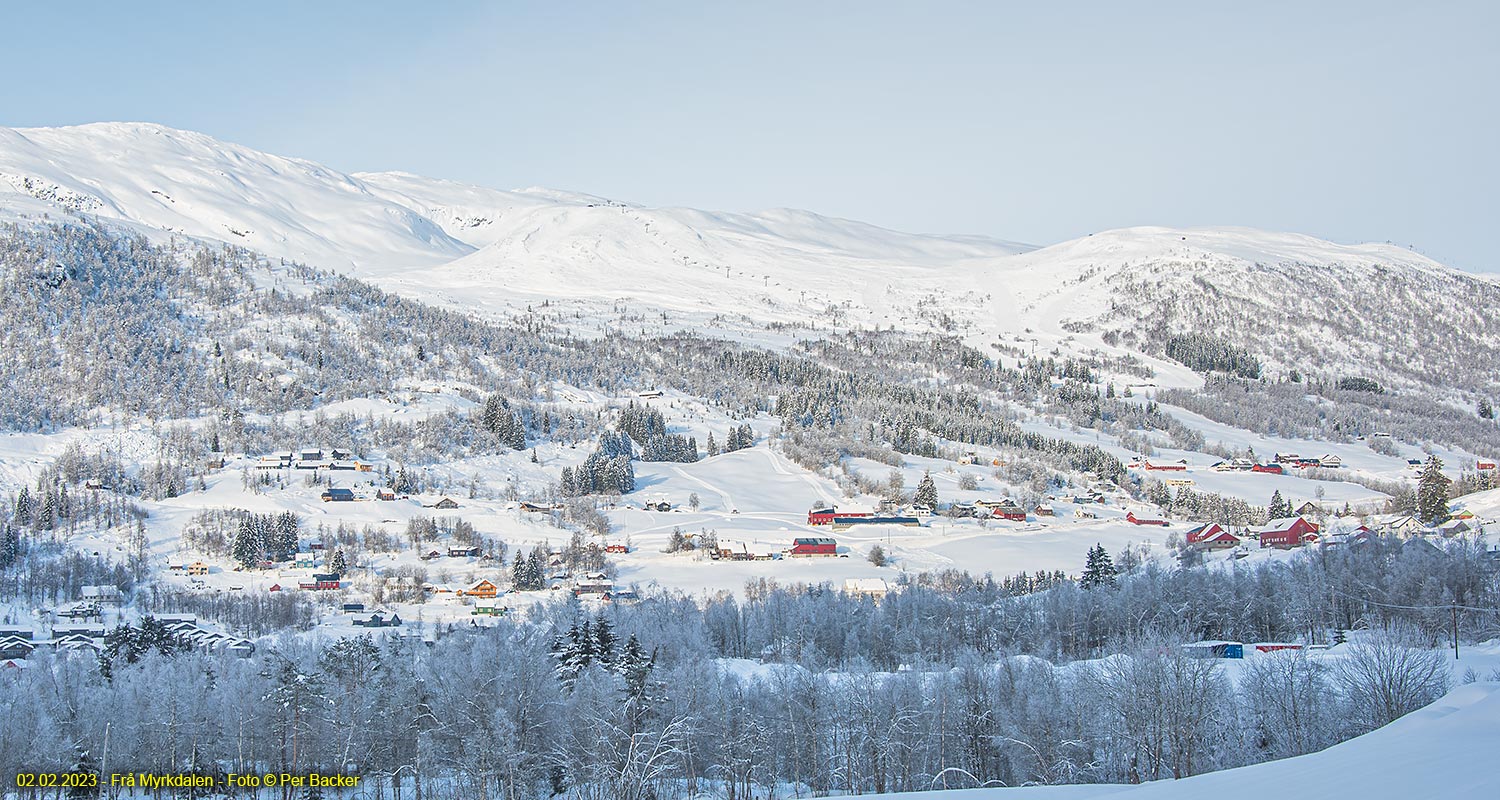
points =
(501, 251)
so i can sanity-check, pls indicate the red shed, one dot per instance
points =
(1286, 533)
(1132, 518)
(814, 546)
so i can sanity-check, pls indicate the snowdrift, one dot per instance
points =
(1441, 751)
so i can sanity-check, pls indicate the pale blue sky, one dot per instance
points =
(1355, 121)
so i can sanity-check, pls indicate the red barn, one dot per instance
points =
(814, 546)
(1011, 513)
(616, 548)
(1166, 467)
(824, 516)
(1286, 533)
(1274, 469)
(1132, 518)
(1212, 536)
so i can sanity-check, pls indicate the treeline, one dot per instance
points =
(1397, 325)
(606, 471)
(1283, 409)
(1202, 352)
(950, 681)
(266, 537)
(860, 408)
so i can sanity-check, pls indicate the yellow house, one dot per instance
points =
(197, 568)
(482, 589)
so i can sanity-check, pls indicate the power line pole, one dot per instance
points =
(1454, 609)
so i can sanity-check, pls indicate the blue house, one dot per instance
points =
(1215, 649)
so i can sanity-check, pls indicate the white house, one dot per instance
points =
(868, 587)
(100, 594)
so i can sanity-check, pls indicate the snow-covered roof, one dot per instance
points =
(1278, 525)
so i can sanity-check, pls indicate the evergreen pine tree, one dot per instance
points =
(604, 641)
(1279, 508)
(10, 546)
(401, 482)
(247, 546)
(83, 764)
(536, 569)
(518, 580)
(1432, 492)
(586, 647)
(1099, 569)
(338, 564)
(926, 494)
(1484, 409)
(635, 667)
(491, 414)
(284, 528)
(512, 431)
(565, 652)
(46, 515)
(23, 507)
(1159, 495)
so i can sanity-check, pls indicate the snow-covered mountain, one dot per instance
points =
(1360, 308)
(189, 183)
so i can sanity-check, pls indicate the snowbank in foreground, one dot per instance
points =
(1441, 751)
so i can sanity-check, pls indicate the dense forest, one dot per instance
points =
(948, 681)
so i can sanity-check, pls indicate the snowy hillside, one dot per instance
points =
(732, 504)
(1111, 294)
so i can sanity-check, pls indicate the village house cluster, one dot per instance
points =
(1295, 531)
(87, 639)
(313, 458)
